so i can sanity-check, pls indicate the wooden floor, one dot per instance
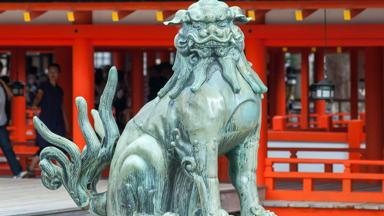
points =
(29, 197)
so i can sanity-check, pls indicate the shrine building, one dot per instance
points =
(322, 137)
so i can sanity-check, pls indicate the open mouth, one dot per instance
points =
(212, 44)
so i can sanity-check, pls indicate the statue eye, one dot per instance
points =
(198, 25)
(222, 23)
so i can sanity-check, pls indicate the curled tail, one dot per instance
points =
(79, 171)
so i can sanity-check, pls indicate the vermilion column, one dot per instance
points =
(320, 105)
(137, 81)
(256, 53)
(164, 56)
(354, 103)
(374, 102)
(18, 115)
(304, 90)
(82, 81)
(151, 58)
(118, 58)
(280, 84)
(63, 56)
(276, 91)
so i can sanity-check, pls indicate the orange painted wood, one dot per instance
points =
(307, 194)
(354, 70)
(124, 13)
(18, 113)
(373, 102)
(355, 131)
(280, 81)
(324, 212)
(223, 169)
(320, 105)
(256, 54)
(118, 58)
(276, 83)
(83, 17)
(137, 81)
(164, 56)
(279, 123)
(355, 12)
(305, 136)
(63, 56)
(175, 5)
(36, 14)
(151, 58)
(143, 35)
(304, 114)
(308, 12)
(82, 82)
(324, 120)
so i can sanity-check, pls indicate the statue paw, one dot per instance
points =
(170, 214)
(259, 210)
(222, 212)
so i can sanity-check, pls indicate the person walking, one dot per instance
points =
(5, 143)
(49, 98)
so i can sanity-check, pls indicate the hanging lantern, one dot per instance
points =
(323, 90)
(18, 88)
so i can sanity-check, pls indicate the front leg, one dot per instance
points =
(206, 156)
(200, 160)
(242, 170)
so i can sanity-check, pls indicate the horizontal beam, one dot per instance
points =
(127, 35)
(175, 5)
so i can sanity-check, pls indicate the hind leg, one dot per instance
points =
(137, 180)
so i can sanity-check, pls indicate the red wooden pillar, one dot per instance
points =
(354, 102)
(164, 56)
(82, 81)
(280, 85)
(320, 105)
(19, 106)
(63, 56)
(151, 58)
(276, 83)
(374, 102)
(137, 81)
(118, 58)
(256, 53)
(304, 90)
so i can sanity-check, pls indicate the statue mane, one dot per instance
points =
(208, 34)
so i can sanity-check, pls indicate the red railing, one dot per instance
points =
(30, 133)
(327, 122)
(350, 185)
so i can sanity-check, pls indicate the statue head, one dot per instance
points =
(208, 28)
(209, 34)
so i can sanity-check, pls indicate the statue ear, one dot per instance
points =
(177, 19)
(238, 15)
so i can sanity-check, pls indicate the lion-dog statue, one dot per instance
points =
(165, 162)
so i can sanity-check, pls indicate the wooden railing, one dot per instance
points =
(353, 153)
(30, 133)
(23, 149)
(326, 122)
(350, 185)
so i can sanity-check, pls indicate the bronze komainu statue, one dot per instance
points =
(166, 160)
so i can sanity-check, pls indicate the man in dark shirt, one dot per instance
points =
(50, 99)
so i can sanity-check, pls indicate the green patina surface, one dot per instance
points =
(165, 161)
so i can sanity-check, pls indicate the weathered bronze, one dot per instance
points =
(165, 161)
